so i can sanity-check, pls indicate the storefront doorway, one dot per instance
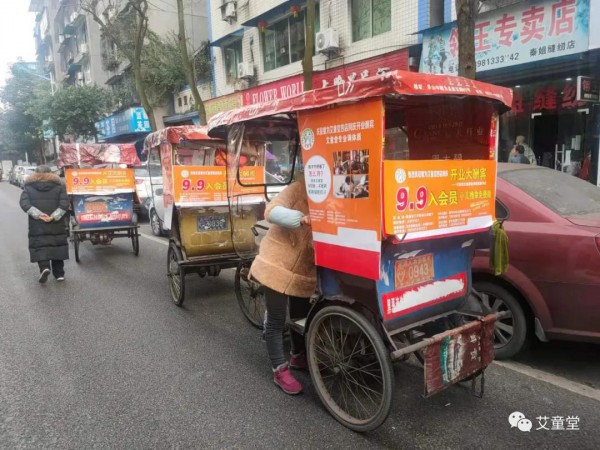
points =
(558, 139)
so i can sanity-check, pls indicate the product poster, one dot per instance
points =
(342, 149)
(99, 181)
(108, 210)
(424, 199)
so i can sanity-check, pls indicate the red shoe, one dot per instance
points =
(286, 381)
(299, 361)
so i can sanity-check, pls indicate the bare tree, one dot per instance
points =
(126, 29)
(309, 49)
(188, 64)
(466, 11)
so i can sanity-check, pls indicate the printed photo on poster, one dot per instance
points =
(351, 186)
(350, 174)
(351, 162)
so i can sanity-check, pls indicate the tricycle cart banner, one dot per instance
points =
(424, 199)
(99, 181)
(342, 156)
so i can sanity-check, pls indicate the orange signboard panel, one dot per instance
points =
(199, 184)
(341, 150)
(429, 198)
(99, 181)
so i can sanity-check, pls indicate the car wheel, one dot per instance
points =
(511, 333)
(155, 224)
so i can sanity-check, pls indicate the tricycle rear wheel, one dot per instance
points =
(76, 245)
(250, 296)
(176, 274)
(350, 368)
(135, 242)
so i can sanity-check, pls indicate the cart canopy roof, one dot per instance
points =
(174, 135)
(97, 155)
(401, 84)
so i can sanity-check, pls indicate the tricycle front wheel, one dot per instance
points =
(350, 368)
(250, 296)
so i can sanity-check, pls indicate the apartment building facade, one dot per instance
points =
(257, 46)
(71, 50)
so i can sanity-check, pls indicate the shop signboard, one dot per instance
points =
(522, 33)
(133, 120)
(224, 103)
(292, 86)
(588, 89)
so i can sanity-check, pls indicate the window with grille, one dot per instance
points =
(284, 41)
(370, 18)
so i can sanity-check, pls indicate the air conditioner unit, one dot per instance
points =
(79, 76)
(245, 69)
(61, 38)
(327, 41)
(230, 12)
(83, 48)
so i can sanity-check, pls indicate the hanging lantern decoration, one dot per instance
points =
(295, 9)
(262, 25)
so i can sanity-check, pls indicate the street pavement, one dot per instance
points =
(105, 360)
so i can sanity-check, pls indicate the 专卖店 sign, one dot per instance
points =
(522, 33)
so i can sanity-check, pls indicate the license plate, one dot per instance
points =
(413, 271)
(212, 223)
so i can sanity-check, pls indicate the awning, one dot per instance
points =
(274, 13)
(180, 117)
(228, 38)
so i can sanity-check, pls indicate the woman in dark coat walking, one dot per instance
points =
(45, 200)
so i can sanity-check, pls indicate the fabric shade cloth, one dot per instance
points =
(397, 82)
(97, 155)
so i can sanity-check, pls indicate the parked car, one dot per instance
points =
(14, 175)
(552, 286)
(24, 174)
(143, 183)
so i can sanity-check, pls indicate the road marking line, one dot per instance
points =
(155, 239)
(555, 380)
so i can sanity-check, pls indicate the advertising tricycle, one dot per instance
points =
(101, 186)
(193, 207)
(400, 174)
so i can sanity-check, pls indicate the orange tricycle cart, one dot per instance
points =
(400, 172)
(101, 186)
(196, 208)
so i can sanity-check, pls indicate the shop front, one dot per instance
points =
(540, 49)
(341, 76)
(127, 126)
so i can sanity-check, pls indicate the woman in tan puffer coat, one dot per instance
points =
(285, 267)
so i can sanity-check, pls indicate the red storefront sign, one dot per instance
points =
(292, 86)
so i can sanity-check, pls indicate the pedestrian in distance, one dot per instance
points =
(529, 154)
(519, 156)
(45, 201)
(285, 266)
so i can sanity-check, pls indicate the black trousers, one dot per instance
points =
(277, 306)
(56, 265)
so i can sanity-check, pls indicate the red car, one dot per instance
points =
(552, 286)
